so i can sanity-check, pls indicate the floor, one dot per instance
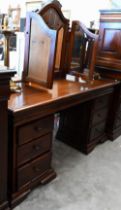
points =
(84, 182)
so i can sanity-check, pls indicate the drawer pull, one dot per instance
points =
(119, 118)
(36, 147)
(37, 169)
(38, 128)
(98, 130)
(100, 101)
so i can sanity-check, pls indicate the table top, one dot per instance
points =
(33, 95)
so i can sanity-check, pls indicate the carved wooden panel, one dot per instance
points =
(54, 18)
(109, 47)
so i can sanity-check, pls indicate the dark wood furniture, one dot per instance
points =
(4, 95)
(90, 119)
(40, 51)
(31, 124)
(58, 25)
(114, 118)
(108, 53)
(108, 63)
(31, 112)
(82, 50)
(55, 19)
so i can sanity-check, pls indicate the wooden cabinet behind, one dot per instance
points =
(109, 63)
(114, 118)
(4, 95)
(109, 49)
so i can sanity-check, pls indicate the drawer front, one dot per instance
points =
(101, 102)
(35, 129)
(99, 116)
(33, 149)
(97, 131)
(33, 170)
(119, 108)
(118, 120)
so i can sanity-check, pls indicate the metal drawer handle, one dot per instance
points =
(37, 147)
(98, 130)
(119, 118)
(37, 169)
(100, 101)
(99, 115)
(37, 128)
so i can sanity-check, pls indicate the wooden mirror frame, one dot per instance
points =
(88, 56)
(54, 18)
(29, 68)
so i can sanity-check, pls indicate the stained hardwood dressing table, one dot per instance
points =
(31, 117)
(31, 112)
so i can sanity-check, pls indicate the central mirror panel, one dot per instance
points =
(40, 49)
(39, 54)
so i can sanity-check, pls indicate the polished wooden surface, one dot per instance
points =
(33, 95)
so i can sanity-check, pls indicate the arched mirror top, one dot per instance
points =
(53, 16)
(40, 45)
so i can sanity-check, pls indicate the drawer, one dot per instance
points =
(119, 107)
(97, 131)
(33, 149)
(35, 129)
(118, 120)
(33, 170)
(101, 102)
(99, 115)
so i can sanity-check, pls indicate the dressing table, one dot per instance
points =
(31, 117)
(44, 92)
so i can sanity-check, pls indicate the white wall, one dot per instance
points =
(83, 10)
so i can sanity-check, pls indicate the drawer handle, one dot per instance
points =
(38, 128)
(100, 101)
(36, 147)
(119, 118)
(37, 169)
(98, 130)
